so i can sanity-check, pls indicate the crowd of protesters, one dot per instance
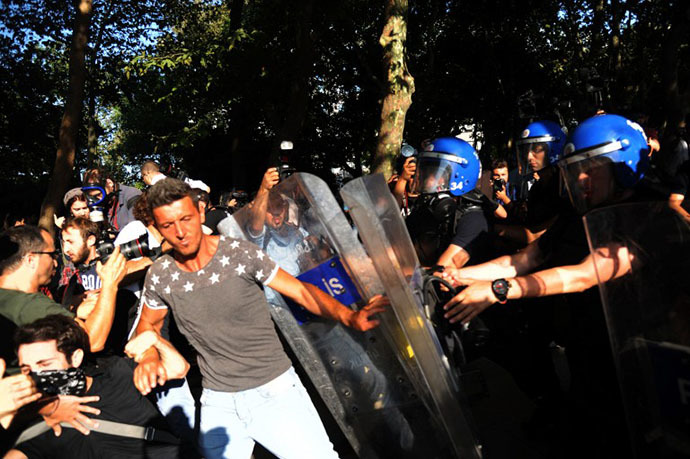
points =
(105, 314)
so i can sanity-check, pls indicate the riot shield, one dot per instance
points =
(359, 376)
(648, 317)
(385, 237)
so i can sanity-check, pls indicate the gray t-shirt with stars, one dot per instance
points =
(222, 311)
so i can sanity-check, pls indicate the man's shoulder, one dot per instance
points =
(22, 308)
(127, 190)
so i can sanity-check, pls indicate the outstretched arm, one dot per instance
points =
(320, 303)
(609, 263)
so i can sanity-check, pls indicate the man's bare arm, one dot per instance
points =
(320, 303)
(150, 371)
(99, 322)
(260, 202)
(502, 267)
(608, 263)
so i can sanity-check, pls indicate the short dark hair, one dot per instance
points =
(150, 166)
(68, 335)
(202, 196)
(16, 243)
(85, 226)
(276, 203)
(96, 175)
(168, 191)
(140, 210)
(499, 164)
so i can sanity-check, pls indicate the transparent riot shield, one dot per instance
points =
(385, 237)
(648, 317)
(359, 376)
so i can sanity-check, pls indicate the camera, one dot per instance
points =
(131, 250)
(60, 382)
(498, 185)
(285, 170)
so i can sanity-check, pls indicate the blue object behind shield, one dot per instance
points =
(331, 277)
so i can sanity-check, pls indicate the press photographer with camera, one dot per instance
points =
(114, 199)
(27, 261)
(503, 193)
(53, 351)
(400, 183)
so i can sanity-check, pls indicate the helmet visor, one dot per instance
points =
(590, 182)
(433, 175)
(532, 156)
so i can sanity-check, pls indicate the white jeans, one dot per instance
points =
(279, 415)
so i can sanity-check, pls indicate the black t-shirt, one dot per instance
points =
(681, 182)
(472, 235)
(120, 402)
(544, 200)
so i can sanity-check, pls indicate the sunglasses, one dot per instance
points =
(54, 254)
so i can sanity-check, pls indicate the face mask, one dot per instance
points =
(71, 381)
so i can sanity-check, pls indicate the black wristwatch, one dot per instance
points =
(500, 288)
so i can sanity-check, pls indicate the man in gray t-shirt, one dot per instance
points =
(214, 287)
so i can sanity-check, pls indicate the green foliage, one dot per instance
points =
(214, 89)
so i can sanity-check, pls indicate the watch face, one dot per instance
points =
(500, 286)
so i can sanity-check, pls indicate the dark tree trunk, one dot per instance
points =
(400, 87)
(69, 126)
(298, 91)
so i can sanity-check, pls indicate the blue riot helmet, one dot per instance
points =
(447, 164)
(540, 144)
(606, 155)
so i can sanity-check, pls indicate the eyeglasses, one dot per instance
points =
(54, 254)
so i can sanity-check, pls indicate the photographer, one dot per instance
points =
(54, 350)
(81, 239)
(503, 192)
(400, 183)
(27, 262)
(229, 203)
(151, 174)
(117, 199)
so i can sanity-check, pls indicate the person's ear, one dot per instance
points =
(31, 259)
(77, 358)
(91, 241)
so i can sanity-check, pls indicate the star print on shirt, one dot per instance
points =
(259, 274)
(240, 269)
(224, 260)
(235, 244)
(152, 303)
(165, 264)
(222, 238)
(188, 286)
(167, 290)
(200, 272)
(155, 279)
(175, 276)
(259, 255)
(214, 278)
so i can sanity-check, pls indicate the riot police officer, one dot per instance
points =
(449, 210)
